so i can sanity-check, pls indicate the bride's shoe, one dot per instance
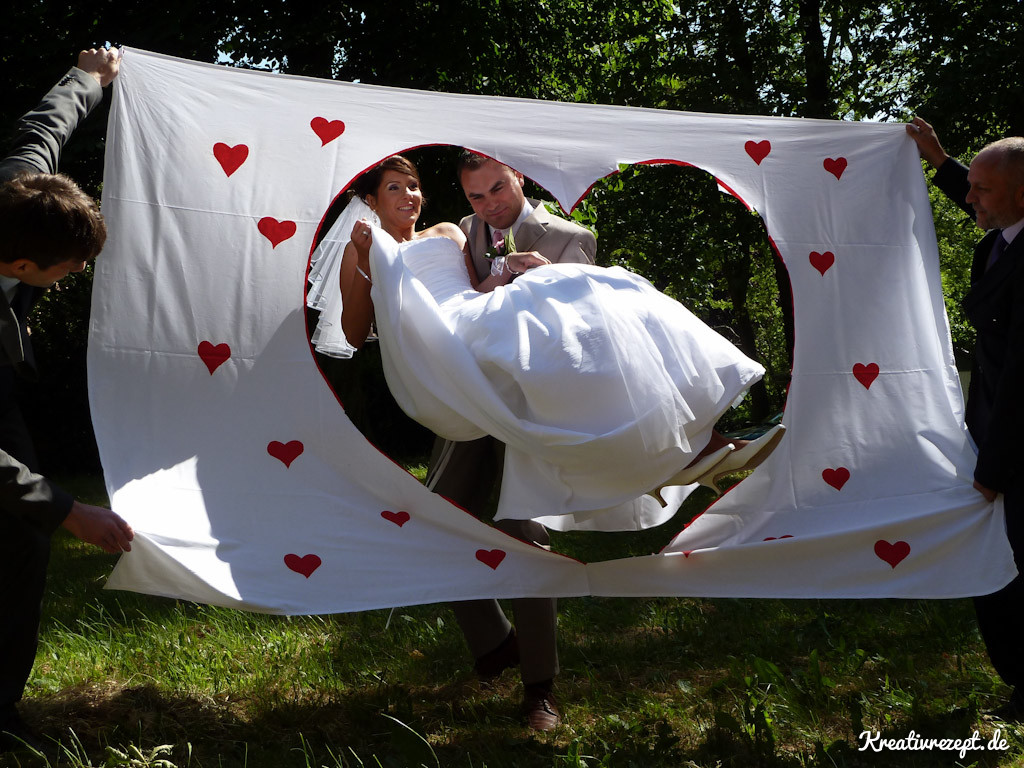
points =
(745, 458)
(696, 472)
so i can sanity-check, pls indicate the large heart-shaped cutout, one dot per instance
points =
(327, 130)
(835, 166)
(398, 518)
(304, 565)
(230, 158)
(758, 150)
(894, 553)
(836, 477)
(822, 261)
(276, 231)
(286, 453)
(213, 355)
(866, 374)
(490, 557)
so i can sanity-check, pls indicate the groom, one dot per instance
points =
(467, 473)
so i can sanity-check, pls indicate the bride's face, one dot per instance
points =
(398, 200)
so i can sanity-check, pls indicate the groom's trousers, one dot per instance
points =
(469, 473)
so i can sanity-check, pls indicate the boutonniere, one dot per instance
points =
(497, 252)
(502, 248)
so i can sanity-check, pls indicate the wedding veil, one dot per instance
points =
(324, 294)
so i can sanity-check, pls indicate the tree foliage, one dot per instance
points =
(956, 64)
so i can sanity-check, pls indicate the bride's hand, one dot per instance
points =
(520, 262)
(362, 239)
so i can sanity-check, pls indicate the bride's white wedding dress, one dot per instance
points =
(600, 386)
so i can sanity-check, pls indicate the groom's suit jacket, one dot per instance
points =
(41, 135)
(554, 238)
(995, 307)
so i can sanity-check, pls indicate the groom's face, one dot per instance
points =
(496, 193)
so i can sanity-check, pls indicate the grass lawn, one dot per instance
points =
(130, 680)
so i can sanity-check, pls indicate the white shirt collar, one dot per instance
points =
(1012, 231)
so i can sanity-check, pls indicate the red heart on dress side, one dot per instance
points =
(835, 166)
(212, 355)
(777, 538)
(276, 231)
(304, 565)
(286, 453)
(398, 518)
(491, 557)
(893, 554)
(758, 150)
(327, 130)
(230, 158)
(836, 477)
(866, 374)
(822, 261)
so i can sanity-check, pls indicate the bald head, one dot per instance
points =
(996, 177)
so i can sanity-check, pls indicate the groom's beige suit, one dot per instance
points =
(469, 472)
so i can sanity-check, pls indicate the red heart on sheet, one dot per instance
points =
(327, 130)
(230, 158)
(276, 231)
(893, 554)
(777, 538)
(866, 374)
(398, 518)
(212, 355)
(286, 453)
(835, 166)
(822, 261)
(304, 565)
(836, 477)
(758, 150)
(490, 557)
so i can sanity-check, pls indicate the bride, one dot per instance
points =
(600, 386)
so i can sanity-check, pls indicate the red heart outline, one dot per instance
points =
(893, 553)
(326, 130)
(212, 355)
(304, 565)
(835, 166)
(836, 477)
(398, 518)
(866, 374)
(822, 261)
(276, 231)
(490, 557)
(758, 150)
(286, 453)
(779, 538)
(230, 158)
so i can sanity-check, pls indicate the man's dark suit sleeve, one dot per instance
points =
(951, 178)
(31, 497)
(41, 134)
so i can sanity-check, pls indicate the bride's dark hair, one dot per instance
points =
(368, 183)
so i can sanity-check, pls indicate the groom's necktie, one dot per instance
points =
(997, 250)
(497, 239)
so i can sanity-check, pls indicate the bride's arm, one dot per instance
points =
(356, 304)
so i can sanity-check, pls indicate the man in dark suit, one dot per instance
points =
(992, 192)
(468, 472)
(48, 228)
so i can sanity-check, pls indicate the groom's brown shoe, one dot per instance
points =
(540, 707)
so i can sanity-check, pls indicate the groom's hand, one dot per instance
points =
(521, 261)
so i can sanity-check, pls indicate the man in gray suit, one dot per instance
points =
(48, 228)
(467, 473)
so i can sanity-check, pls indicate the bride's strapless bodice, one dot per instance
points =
(438, 263)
